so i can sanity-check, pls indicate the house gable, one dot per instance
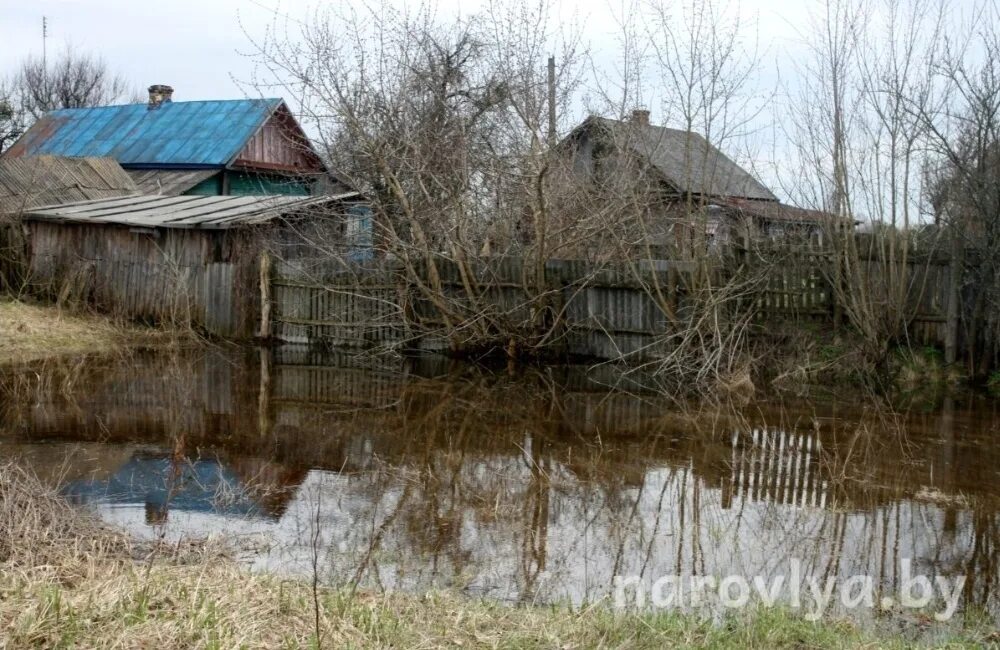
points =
(279, 145)
(610, 164)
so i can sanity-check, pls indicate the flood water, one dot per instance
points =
(532, 486)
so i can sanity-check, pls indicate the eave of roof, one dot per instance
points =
(186, 212)
(770, 211)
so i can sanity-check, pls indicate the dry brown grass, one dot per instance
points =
(30, 332)
(67, 581)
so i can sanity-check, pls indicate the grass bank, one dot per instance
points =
(29, 332)
(68, 581)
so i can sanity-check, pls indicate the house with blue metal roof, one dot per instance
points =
(220, 147)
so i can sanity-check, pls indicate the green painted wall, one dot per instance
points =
(210, 186)
(250, 184)
(242, 183)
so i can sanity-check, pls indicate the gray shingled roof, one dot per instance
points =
(686, 159)
(45, 180)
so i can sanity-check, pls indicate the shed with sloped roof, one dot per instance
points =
(186, 260)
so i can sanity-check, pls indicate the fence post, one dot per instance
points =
(265, 295)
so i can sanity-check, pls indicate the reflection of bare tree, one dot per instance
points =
(536, 520)
(534, 486)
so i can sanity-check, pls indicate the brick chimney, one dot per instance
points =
(159, 94)
(640, 116)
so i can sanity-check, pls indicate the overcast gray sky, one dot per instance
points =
(199, 47)
(195, 45)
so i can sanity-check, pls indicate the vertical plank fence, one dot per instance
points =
(602, 311)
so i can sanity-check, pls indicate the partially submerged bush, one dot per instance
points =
(923, 368)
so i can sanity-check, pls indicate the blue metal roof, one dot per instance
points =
(176, 134)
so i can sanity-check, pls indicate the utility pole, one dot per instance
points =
(552, 101)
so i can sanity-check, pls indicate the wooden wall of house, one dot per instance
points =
(278, 144)
(205, 279)
(211, 186)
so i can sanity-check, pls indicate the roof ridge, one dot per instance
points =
(185, 101)
(628, 122)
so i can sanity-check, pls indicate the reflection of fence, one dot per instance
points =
(777, 467)
(597, 310)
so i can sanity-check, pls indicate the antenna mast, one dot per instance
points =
(45, 61)
(45, 36)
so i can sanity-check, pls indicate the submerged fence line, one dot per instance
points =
(604, 311)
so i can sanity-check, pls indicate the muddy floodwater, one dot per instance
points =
(528, 486)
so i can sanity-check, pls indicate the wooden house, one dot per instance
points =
(195, 261)
(216, 148)
(683, 182)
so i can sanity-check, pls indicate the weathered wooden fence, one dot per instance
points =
(604, 311)
(11, 256)
(798, 287)
(794, 288)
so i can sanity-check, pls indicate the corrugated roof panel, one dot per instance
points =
(206, 133)
(46, 180)
(182, 211)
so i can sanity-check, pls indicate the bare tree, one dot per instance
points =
(11, 119)
(72, 80)
(862, 148)
(443, 123)
(963, 141)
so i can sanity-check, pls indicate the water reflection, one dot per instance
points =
(539, 486)
(159, 484)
